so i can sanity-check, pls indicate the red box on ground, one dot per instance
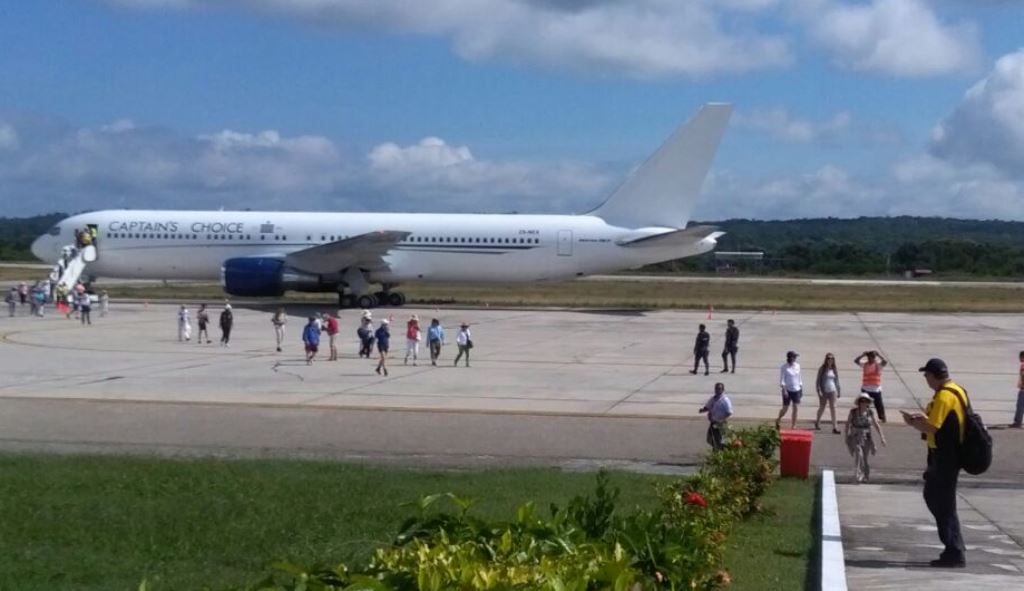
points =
(795, 453)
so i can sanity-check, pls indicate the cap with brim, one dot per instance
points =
(864, 396)
(367, 313)
(935, 366)
(385, 321)
(792, 354)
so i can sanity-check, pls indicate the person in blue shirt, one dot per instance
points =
(435, 338)
(311, 338)
(383, 335)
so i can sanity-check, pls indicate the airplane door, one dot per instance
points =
(565, 243)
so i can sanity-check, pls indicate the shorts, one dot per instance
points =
(792, 397)
(382, 348)
(311, 348)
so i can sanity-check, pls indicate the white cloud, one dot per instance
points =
(779, 123)
(450, 177)
(903, 38)
(921, 185)
(988, 124)
(119, 165)
(641, 38)
(8, 137)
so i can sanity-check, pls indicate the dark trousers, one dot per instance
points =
(225, 334)
(698, 356)
(940, 496)
(435, 350)
(726, 354)
(716, 435)
(876, 397)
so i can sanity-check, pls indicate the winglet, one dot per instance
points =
(664, 190)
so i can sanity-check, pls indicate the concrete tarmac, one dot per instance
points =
(889, 536)
(544, 386)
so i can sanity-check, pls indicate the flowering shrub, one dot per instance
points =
(586, 545)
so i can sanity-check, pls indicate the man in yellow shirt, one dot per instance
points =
(943, 428)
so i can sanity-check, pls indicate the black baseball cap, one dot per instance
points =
(935, 366)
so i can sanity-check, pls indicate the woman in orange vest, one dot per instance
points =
(872, 362)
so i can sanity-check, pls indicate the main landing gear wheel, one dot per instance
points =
(366, 301)
(396, 299)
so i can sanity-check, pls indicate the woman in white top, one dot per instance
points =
(792, 388)
(828, 389)
(465, 342)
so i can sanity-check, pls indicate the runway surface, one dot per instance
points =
(543, 385)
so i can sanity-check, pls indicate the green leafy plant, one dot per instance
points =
(590, 544)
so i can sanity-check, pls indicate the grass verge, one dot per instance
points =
(654, 295)
(82, 522)
(773, 550)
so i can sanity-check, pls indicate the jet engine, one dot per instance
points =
(266, 277)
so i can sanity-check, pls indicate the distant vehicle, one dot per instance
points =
(263, 254)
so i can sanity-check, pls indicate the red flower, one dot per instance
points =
(695, 498)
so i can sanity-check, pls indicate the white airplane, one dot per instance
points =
(258, 254)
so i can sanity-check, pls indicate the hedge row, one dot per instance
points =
(587, 545)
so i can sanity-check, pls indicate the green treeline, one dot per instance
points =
(17, 234)
(871, 246)
(826, 246)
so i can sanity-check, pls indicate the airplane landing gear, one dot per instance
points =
(390, 298)
(366, 301)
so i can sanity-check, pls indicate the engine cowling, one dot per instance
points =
(265, 277)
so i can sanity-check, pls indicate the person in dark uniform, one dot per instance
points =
(227, 320)
(732, 345)
(701, 348)
(943, 429)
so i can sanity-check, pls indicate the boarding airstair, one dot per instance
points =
(74, 262)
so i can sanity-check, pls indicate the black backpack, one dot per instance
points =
(976, 449)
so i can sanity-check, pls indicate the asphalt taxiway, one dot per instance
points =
(544, 385)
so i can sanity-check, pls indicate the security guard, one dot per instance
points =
(943, 428)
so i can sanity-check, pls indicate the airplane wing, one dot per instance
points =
(365, 251)
(673, 237)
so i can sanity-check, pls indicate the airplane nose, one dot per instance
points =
(40, 250)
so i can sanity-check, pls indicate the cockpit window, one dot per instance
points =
(54, 231)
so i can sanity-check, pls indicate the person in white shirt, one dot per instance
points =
(719, 409)
(184, 324)
(464, 340)
(792, 388)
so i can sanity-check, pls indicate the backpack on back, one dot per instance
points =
(976, 449)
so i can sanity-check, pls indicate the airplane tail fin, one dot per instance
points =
(664, 190)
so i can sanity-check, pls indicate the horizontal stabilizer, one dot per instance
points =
(365, 251)
(674, 237)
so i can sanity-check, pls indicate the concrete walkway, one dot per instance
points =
(889, 537)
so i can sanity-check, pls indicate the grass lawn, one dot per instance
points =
(83, 522)
(651, 295)
(775, 550)
(76, 522)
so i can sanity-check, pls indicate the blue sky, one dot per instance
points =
(844, 107)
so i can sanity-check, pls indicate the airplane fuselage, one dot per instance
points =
(154, 244)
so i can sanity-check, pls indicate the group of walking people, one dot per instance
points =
(702, 348)
(226, 322)
(77, 301)
(376, 338)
